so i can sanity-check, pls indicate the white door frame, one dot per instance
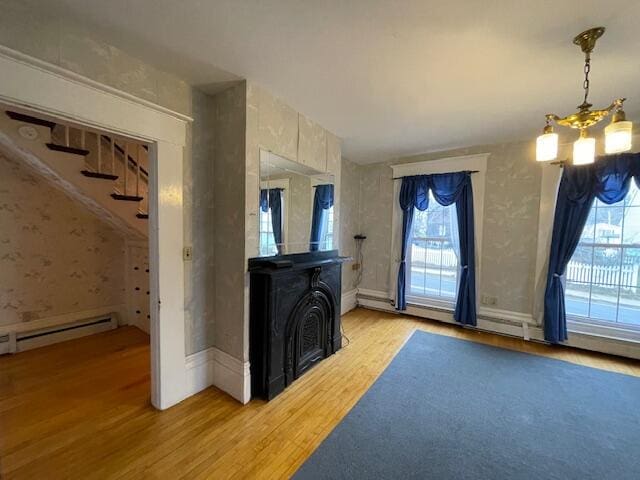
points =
(39, 86)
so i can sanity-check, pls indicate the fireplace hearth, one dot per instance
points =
(295, 317)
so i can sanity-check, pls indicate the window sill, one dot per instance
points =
(434, 303)
(624, 333)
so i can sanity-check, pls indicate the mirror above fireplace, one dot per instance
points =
(295, 211)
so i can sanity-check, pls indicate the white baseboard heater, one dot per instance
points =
(14, 342)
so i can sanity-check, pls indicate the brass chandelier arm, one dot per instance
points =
(585, 118)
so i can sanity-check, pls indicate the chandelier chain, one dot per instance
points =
(587, 69)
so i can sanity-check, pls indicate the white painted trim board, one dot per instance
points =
(215, 367)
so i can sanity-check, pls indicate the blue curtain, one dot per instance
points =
(447, 188)
(608, 179)
(271, 199)
(322, 202)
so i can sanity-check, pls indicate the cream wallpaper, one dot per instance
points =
(298, 210)
(510, 227)
(199, 226)
(58, 40)
(350, 226)
(55, 256)
(229, 218)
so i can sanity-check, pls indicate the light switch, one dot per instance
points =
(187, 254)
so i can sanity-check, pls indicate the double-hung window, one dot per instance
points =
(603, 276)
(267, 240)
(326, 242)
(433, 255)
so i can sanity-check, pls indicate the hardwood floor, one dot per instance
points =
(81, 409)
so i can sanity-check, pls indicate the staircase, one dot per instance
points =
(108, 174)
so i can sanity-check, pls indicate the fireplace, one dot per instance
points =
(295, 317)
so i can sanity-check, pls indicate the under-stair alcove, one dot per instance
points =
(74, 236)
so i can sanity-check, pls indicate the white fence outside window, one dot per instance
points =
(628, 276)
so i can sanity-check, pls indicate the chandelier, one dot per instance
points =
(617, 133)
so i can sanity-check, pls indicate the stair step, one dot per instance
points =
(128, 198)
(142, 215)
(64, 148)
(105, 176)
(21, 117)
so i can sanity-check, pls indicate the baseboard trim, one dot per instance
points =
(443, 315)
(349, 301)
(508, 315)
(215, 367)
(505, 322)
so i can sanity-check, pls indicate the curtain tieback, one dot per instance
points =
(556, 275)
(465, 267)
(403, 261)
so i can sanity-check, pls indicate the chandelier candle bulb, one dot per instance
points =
(617, 137)
(547, 147)
(584, 150)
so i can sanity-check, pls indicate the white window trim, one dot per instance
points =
(430, 302)
(550, 182)
(443, 165)
(282, 183)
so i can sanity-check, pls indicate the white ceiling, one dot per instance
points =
(391, 77)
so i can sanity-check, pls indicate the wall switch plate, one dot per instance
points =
(187, 254)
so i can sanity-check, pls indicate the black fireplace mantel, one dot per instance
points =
(295, 317)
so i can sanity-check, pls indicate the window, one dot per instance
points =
(432, 281)
(433, 255)
(603, 276)
(326, 243)
(267, 240)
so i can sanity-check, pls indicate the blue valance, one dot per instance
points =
(322, 202)
(271, 199)
(447, 188)
(608, 179)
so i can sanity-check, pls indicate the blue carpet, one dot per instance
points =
(453, 409)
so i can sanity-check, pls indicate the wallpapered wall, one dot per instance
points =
(199, 225)
(229, 214)
(298, 210)
(58, 40)
(350, 226)
(510, 227)
(55, 256)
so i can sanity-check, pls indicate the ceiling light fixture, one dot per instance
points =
(617, 133)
